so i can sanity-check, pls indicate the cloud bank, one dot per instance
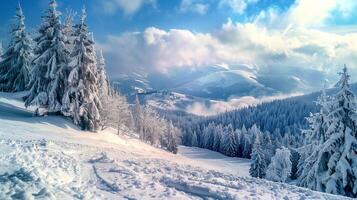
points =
(217, 107)
(271, 39)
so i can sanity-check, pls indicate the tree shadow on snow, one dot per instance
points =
(14, 113)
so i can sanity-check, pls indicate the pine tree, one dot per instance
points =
(295, 157)
(209, 136)
(81, 101)
(168, 140)
(103, 83)
(217, 137)
(269, 149)
(279, 170)
(194, 140)
(16, 61)
(333, 162)
(228, 142)
(258, 165)
(315, 137)
(68, 28)
(247, 146)
(48, 79)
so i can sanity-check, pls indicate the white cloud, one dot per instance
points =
(195, 6)
(128, 7)
(268, 41)
(217, 107)
(307, 13)
(156, 49)
(238, 6)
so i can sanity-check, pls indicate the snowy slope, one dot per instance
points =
(49, 158)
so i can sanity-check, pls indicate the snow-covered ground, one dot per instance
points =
(49, 158)
(216, 161)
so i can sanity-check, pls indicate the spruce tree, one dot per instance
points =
(337, 158)
(334, 165)
(16, 61)
(48, 79)
(68, 28)
(258, 165)
(217, 137)
(228, 142)
(315, 137)
(194, 140)
(169, 138)
(81, 100)
(103, 82)
(208, 134)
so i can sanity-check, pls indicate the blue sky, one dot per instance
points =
(160, 35)
(165, 14)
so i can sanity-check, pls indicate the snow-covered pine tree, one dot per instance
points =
(103, 82)
(279, 169)
(50, 66)
(194, 140)
(269, 148)
(217, 137)
(107, 95)
(228, 142)
(335, 166)
(208, 133)
(295, 157)
(81, 101)
(168, 140)
(247, 146)
(16, 61)
(315, 137)
(68, 28)
(258, 165)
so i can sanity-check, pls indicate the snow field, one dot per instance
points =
(49, 158)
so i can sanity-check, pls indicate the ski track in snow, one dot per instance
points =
(46, 158)
(44, 169)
